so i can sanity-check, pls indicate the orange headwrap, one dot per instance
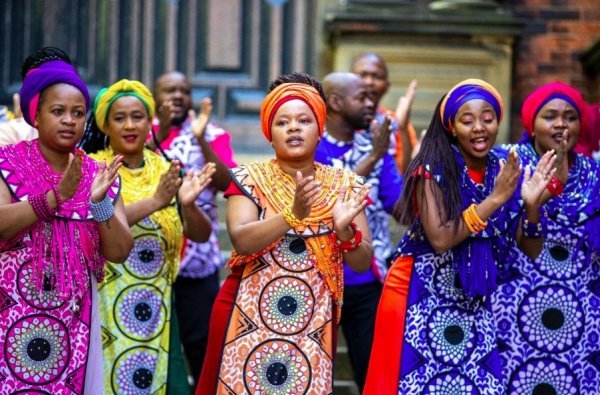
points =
(291, 91)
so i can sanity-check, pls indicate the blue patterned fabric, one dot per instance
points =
(548, 310)
(386, 185)
(449, 337)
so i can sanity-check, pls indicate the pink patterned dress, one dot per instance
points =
(49, 329)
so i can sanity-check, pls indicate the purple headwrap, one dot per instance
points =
(38, 79)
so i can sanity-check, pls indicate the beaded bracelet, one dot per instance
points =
(472, 220)
(532, 230)
(353, 243)
(39, 203)
(555, 186)
(57, 196)
(102, 210)
(290, 218)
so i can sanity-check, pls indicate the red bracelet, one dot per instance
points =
(353, 243)
(57, 196)
(555, 186)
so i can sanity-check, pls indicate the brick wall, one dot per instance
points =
(556, 33)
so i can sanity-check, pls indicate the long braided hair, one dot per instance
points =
(436, 156)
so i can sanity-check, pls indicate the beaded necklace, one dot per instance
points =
(278, 188)
(66, 246)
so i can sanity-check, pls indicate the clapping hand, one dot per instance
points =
(381, 137)
(194, 183)
(348, 206)
(535, 184)
(307, 191)
(199, 123)
(508, 177)
(105, 178)
(168, 185)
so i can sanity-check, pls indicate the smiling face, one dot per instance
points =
(551, 121)
(294, 131)
(128, 125)
(60, 117)
(476, 129)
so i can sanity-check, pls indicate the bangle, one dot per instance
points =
(532, 230)
(290, 218)
(472, 220)
(555, 186)
(57, 196)
(353, 243)
(102, 210)
(39, 203)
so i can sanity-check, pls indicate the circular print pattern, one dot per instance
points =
(543, 377)
(292, 255)
(551, 319)
(133, 371)
(48, 298)
(286, 305)
(37, 349)
(450, 383)
(147, 258)
(30, 392)
(451, 334)
(447, 284)
(139, 312)
(559, 260)
(277, 367)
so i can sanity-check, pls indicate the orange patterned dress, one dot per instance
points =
(280, 335)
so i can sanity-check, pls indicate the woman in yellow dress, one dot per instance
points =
(135, 298)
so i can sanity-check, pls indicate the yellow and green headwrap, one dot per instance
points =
(107, 96)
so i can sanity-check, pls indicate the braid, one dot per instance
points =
(41, 56)
(93, 139)
(298, 78)
(436, 154)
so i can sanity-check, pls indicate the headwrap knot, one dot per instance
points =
(291, 91)
(465, 91)
(107, 96)
(48, 73)
(545, 93)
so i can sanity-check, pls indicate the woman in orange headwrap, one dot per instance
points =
(292, 222)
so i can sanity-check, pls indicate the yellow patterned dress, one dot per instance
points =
(135, 297)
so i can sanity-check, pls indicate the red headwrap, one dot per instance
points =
(545, 93)
(291, 91)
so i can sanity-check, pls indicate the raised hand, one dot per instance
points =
(168, 185)
(307, 190)
(535, 184)
(562, 158)
(106, 176)
(194, 183)
(71, 177)
(348, 206)
(165, 114)
(199, 123)
(381, 137)
(405, 104)
(508, 177)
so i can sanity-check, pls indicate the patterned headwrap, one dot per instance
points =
(545, 93)
(465, 91)
(291, 91)
(107, 96)
(48, 73)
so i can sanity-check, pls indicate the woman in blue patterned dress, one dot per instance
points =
(435, 333)
(548, 309)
